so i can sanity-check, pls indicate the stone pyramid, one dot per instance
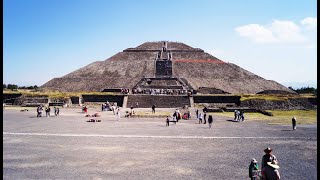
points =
(200, 70)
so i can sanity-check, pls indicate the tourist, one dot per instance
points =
(241, 116)
(204, 117)
(58, 110)
(118, 113)
(235, 115)
(153, 109)
(271, 172)
(238, 115)
(55, 111)
(48, 111)
(39, 111)
(294, 123)
(200, 118)
(253, 167)
(268, 157)
(210, 120)
(102, 107)
(167, 121)
(197, 113)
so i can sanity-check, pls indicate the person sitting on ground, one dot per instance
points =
(253, 167)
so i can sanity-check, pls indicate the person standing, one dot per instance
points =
(200, 118)
(153, 109)
(58, 110)
(253, 167)
(268, 157)
(197, 113)
(118, 113)
(235, 114)
(204, 117)
(167, 121)
(294, 123)
(210, 120)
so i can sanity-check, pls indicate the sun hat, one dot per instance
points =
(253, 160)
(273, 164)
(268, 150)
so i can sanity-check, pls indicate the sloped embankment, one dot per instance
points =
(289, 104)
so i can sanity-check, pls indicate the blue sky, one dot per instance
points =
(44, 39)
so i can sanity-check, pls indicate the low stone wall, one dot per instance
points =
(88, 98)
(290, 104)
(30, 101)
(160, 101)
(10, 98)
(217, 99)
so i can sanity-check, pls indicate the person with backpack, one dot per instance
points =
(253, 167)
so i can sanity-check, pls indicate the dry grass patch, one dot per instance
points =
(279, 116)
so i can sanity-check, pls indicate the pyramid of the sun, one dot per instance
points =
(197, 68)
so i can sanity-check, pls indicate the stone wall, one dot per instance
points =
(103, 98)
(162, 101)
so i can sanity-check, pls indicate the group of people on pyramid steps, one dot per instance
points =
(239, 115)
(159, 91)
(269, 167)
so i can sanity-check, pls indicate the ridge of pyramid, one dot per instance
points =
(157, 45)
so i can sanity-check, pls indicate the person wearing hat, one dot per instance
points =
(271, 172)
(294, 123)
(268, 157)
(253, 167)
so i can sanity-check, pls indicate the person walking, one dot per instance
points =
(235, 114)
(253, 167)
(271, 172)
(200, 118)
(294, 123)
(205, 117)
(153, 109)
(210, 120)
(268, 157)
(242, 116)
(167, 121)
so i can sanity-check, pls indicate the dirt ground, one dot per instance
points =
(69, 147)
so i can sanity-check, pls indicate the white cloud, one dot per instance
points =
(310, 22)
(277, 32)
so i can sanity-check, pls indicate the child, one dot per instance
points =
(253, 167)
(167, 121)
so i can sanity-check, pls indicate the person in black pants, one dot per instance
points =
(294, 123)
(210, 120)
(153, 109)
(167, 121)
(205, 117)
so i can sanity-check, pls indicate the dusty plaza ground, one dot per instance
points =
(68, 147)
